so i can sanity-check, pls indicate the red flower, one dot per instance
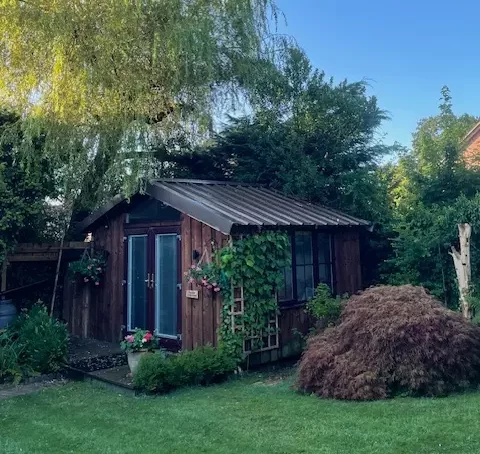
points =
(148, 337)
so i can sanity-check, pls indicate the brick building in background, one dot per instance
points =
(471, 145)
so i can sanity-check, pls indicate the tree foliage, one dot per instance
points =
(23, 188)
(316, 140)
(102, 80)
(431, 190)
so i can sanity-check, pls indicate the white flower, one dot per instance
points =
(143, 341)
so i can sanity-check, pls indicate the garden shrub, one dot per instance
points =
(323, 307)
(201, 366)
(10, 351)
(392, 340)
(43, 339)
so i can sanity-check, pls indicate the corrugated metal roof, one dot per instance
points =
(224, 205)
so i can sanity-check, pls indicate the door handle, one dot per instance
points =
(152, 281)
(147, 280)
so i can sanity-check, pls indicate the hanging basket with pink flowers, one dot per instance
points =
(206, 275)
(90, 268)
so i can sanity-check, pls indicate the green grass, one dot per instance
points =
(244, 416)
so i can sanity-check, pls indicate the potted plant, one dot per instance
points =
(136, 345)
(207, 276)
(89, 268)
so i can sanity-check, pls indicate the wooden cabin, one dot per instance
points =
(153, 238)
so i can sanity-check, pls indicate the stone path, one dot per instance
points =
(7, 391)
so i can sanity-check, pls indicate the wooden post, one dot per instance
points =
(4, 276)
(461, 260)
(86, 310)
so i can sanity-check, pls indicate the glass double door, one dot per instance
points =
(153, 282)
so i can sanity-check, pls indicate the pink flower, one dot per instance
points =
(216, 289)
(191, 280)
(99, 269)
(85, 279)
(193, 267)
(204, 281)
(214, 284)
(129, 339)
(147, 337)
(209, 287)
(97, 283)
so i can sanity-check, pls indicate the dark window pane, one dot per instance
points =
(324, 248)
(299, 248)
(309, 286)
(301, 283)
(303, 248)
(285, 292)
(324, 241)
(152, 210)
(324, 273)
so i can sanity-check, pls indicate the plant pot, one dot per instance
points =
(133, 359)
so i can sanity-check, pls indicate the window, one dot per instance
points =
(304, 265)
(311, 265)
(152, 210)
(285, 292)
(324, 248)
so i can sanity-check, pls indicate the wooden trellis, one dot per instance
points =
(268, 339)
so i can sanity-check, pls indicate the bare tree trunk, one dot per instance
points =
(57, 273)
(444, 282)
(461, 260)
(60, 254)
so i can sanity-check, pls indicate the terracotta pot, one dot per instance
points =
(133, 359)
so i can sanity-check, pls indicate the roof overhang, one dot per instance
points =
(237, 207)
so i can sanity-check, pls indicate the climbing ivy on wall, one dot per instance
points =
(256, 263)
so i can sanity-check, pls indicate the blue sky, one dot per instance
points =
(406, 50)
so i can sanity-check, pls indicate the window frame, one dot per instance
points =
(316, 274)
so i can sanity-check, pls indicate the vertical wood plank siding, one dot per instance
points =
(348, 274)
(109, 301)
(201, 317)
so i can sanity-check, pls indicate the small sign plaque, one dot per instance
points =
(192, 294)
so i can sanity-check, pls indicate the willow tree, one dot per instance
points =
(101, 79)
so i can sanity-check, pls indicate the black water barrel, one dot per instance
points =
(7, 313)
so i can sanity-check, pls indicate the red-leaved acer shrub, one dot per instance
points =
(390, 341)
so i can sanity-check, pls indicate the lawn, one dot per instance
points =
(252, 415)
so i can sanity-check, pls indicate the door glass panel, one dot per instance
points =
(166, 280)
(137, 287)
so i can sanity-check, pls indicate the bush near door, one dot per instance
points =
(201, 366)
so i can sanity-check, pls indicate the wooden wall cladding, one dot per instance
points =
(348, 274)
(200, 317)
(99, 312)
(107, 313)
